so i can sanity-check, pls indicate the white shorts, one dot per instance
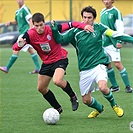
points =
(88, 78)
(26, 47)
(113, 53)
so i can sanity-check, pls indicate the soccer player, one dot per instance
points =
(54, 59)
(23, 18)
(112, 17)
(92, 60)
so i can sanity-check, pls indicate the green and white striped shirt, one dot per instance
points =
(88, 45)
(22, 16)
(113, 19)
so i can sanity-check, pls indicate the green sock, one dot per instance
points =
(12, 61)
(110, 98)
(111, 75)
(124, 76)
(96, 105)
(36, 61)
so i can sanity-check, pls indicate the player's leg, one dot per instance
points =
(35, 60)
(112, 78)
(58, 79)
(12, 60)
(109, 96)
(101, 79)
(93, 103)
(124, 75)
(111, 52)
(43, 82)
(87, 85)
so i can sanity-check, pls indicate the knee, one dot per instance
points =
(104, 89)
(118, 65)
(102, 85)
(42, 90)
(57, 82)
(31, 50)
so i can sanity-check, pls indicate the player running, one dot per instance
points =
(54, 59)
(23, 20)
(111, 17)
(92, 60)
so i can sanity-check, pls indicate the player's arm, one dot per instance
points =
(21, 42)
(119, 36)
(30, 23)
(14, 22)
(119, 25)
(66, 26)
(59, 38)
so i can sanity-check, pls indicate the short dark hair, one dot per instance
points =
(89, 9)
(37, 17)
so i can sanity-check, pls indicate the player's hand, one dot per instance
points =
(89, 28)
(52, 23)
(21, 42)
(118, 45)
(7, 23)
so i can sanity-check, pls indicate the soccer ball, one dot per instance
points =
(51, 116)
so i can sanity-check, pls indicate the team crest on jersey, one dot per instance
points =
(48, 37)
(21, 15)
(110, 16)
(94, 34)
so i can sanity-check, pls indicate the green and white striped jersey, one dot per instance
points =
(22, 16)
(113, 19)
(88, 45)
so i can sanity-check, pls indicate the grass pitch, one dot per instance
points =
(22, 106)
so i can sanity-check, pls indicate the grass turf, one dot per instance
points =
(22, 106)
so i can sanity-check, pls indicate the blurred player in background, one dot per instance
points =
(23, 18)
(112, 17)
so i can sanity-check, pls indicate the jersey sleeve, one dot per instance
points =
(119, 26)
(26, 36)
(119, 36)
(27, 13)
(69, 25)
(60, 38)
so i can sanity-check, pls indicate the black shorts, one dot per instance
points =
(49, 69)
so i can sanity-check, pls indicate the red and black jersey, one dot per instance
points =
(45, 45)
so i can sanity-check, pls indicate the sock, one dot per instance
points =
(111, 75)
(12, 61)
(124, 76)
(35, 60)
(96, 105)
(69, 90)
(110, 98)
(49, 96)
